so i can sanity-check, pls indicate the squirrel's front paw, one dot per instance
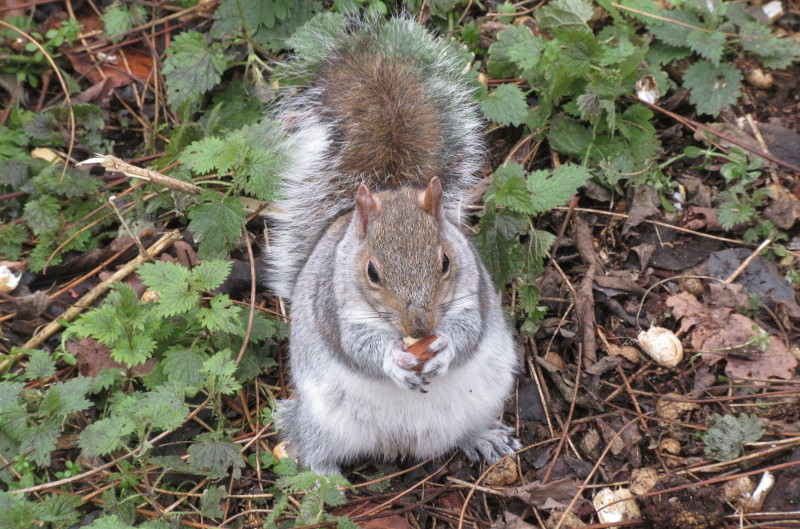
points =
(399, 365)
(440, 361)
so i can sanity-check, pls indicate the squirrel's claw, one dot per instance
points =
(400, 364)
(440, 362)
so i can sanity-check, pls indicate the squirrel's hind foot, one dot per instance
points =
(494, 443)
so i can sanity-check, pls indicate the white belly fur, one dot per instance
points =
(384, 419)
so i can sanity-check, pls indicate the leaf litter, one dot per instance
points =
(591, 409)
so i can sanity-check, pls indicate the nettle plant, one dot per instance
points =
(191, 341)
(573, 85)
(739, 204)
(711, 32)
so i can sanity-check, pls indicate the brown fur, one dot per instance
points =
(389, 132)
(404, 243)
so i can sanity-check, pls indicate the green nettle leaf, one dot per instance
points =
(727, 435)
(732, 213)
(123, 324)
(202, 156)
(236, 17)
(41, 214)
(192, 67)
(773, 52)
(217, 222)
(104, 436)
(213, 457)
(506, 105)
(709, 45)
(508, 188)
(517, 45)
(565, 14)
(109, 522)
(9, 392)
(222, 316)
(500, 247)
(676, 33)
(548, 191)
(219, 371)
(176, 299)
(163, 275)
(209, 502)
(298, 12)
(41, 441)
(209, 275)
(163, 407)
(12, 237)
(61, 510)
(66, 398)
(119, 19)
(712, 87)
(182, 367)
(569, 137)
(41, 365)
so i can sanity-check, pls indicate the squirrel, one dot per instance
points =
(382, 145)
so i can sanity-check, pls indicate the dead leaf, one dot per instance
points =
(727, 295)
(394, 521)
(715, 330)
(511, 521)
(452, 501)
(760, 277)
(561, 491)
(678, 253)
(783, 213)
(698, 193)
(731, 131)
(783, 143)
(701, 218)
(645, 203)
(94, 357)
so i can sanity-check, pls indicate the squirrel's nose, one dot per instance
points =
(419, 322)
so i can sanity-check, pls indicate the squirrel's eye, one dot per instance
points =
(372, 273)
(445, 263)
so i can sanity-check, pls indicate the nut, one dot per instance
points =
(662, 346)
(643, 480)
(670, 446)
(759, 78)
(617, 511)
(419, 348)
(8, 279)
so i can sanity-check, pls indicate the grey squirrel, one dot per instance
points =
(382, 144)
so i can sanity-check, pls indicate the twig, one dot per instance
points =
(124, 223)
(763, 145)
(746, 263)
(112, 163)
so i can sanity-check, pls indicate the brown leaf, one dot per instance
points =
(783, 213)
(714, 330)
(645, 204)
(727, 295)
(536, 494)
(94, 357)
(387, 522)
(511, 521)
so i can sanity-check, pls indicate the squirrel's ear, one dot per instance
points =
(432, 199)
(365, 203)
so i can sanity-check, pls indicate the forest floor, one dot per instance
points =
(150, 404)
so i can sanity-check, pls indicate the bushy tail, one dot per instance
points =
(385, 104)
